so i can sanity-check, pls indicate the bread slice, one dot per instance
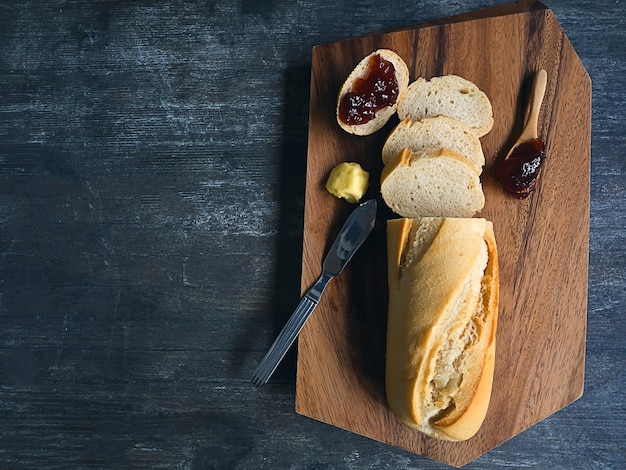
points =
(442, 320)
(438, 131)
(361, 72)
(448, 95)
(432, 182)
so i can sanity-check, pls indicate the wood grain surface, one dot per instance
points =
(542, 241)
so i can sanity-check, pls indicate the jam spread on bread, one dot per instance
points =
(377, 90)
(518, 173)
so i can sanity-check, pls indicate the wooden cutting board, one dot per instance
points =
(542, 241)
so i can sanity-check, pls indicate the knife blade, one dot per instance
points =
(354, 232)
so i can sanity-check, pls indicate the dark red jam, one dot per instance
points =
(377, 90)
(518, 173)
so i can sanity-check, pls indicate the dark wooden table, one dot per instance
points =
(152, 164)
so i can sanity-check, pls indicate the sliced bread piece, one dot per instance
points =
(435, 132)
(433, 182)
(448, 95)
(357, 107)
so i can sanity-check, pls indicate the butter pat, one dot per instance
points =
(348, 181)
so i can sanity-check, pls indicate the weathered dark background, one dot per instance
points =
(152, 158)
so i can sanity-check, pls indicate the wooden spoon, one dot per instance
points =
(538, 91)
(519, 171)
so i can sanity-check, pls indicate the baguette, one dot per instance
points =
(363, 120)
(449, 95)
(442, 320)
(433, 182)
(438, 131)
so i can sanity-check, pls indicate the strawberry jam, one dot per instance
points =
(518, 173)
(377, 90)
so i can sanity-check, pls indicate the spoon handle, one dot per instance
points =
(537, 94)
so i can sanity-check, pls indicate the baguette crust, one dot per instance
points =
(442, 320)
(360, 71)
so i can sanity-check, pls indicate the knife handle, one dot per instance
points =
(290, 331)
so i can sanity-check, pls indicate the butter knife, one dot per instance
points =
(351, 236)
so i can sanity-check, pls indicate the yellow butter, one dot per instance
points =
(348, 181)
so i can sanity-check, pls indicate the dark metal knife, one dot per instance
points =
(351, 236)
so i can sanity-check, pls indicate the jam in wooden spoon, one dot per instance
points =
(519, 171)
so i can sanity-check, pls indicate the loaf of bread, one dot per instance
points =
(442, 318)
(382, 95)
(434, 182)
(449, 95)
(437, 132)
